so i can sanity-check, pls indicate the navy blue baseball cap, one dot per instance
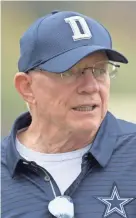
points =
(61, 39)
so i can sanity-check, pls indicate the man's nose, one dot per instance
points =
(88, 83)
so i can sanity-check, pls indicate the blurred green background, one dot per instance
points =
(118, 17)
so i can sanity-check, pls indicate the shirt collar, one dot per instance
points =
(12, 155)
(105, 140)
(102, 147)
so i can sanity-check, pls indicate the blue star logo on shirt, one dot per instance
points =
(115, 203)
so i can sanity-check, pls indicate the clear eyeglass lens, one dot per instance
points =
(103, 69)
(113, 71)
(100, 70)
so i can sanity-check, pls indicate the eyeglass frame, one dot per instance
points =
(80, 73)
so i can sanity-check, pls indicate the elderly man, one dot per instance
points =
(68, 157)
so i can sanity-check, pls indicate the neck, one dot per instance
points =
(53, 140)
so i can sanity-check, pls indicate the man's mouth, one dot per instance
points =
(85, 108)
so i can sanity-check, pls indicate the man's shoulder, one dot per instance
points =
(127, 127)
(4, 143)
(5, 175)
(118, 126)
(127, 136)
(123, 130)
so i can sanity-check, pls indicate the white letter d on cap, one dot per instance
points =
(76, 31)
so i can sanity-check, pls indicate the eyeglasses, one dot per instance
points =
(99, 70)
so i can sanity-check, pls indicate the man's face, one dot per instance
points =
(70, 103)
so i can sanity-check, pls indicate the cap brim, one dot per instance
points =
(68, 59)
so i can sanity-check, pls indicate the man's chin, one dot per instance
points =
(87, 125)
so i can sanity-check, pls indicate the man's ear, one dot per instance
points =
(23, 84)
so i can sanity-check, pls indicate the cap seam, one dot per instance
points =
(108, 34)
(36, 37)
